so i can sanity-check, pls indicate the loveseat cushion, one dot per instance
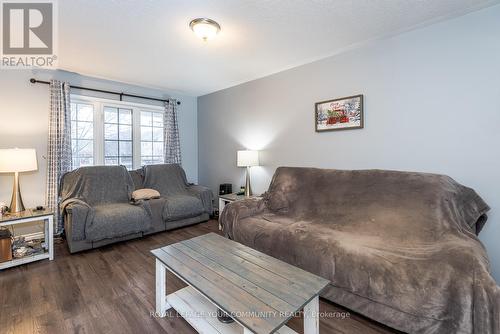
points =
(117, 220)
(137, 178)
(97, 185)
(168, 179)
(182, 206)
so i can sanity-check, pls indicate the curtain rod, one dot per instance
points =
(121, 94)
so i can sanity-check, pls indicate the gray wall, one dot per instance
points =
(431, 105)
(24, 122)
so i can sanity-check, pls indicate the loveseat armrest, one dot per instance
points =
(76, 214)
(240, 210)
(205, 195)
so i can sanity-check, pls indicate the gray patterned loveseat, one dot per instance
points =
(97, 208)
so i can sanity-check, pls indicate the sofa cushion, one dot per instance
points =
(182, 206)
(399, 205)
(116, 220)
(387, 272)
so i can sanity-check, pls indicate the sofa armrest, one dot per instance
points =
(478, 226)
(205, 195)
(240, 210)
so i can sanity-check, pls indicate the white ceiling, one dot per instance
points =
(149, 43)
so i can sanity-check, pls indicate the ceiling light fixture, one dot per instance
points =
(204, 28)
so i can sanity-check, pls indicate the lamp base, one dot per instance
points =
(248, 188)
(16, 203)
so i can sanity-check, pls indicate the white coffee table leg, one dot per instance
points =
(311, 318)
(161, 289)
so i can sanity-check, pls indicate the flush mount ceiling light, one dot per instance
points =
(204, 28)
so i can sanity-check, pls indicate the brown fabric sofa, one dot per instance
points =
(398, 247)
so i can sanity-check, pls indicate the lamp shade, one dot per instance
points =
(247, 158)
(17, 160)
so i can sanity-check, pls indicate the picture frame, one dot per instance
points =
(345, 113)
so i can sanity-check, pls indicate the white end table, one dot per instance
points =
(47, 216)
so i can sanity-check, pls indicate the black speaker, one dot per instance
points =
(225, 188)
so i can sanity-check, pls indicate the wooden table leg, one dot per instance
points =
(161, 289)
(311, 317)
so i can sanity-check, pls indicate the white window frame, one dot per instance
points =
(98, 105)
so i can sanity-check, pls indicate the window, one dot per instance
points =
(151, 138)
(82, 134)
(118, 137)
(105, 132)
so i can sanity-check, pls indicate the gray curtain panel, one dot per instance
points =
(172, 146)
(59, 159)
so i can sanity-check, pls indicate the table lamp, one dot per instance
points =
(16, 161)
(247, 158)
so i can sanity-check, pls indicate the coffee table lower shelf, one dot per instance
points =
(201, 314)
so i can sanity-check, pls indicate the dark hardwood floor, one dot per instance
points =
(111, 290)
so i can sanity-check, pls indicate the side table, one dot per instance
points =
(47, 216)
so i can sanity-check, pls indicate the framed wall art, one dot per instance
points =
(339, 114)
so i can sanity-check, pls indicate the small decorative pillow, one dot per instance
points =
(145, 194)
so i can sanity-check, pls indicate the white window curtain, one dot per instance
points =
(59, 144)
(172, 144)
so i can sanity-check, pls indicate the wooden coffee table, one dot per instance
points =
(260, 292)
